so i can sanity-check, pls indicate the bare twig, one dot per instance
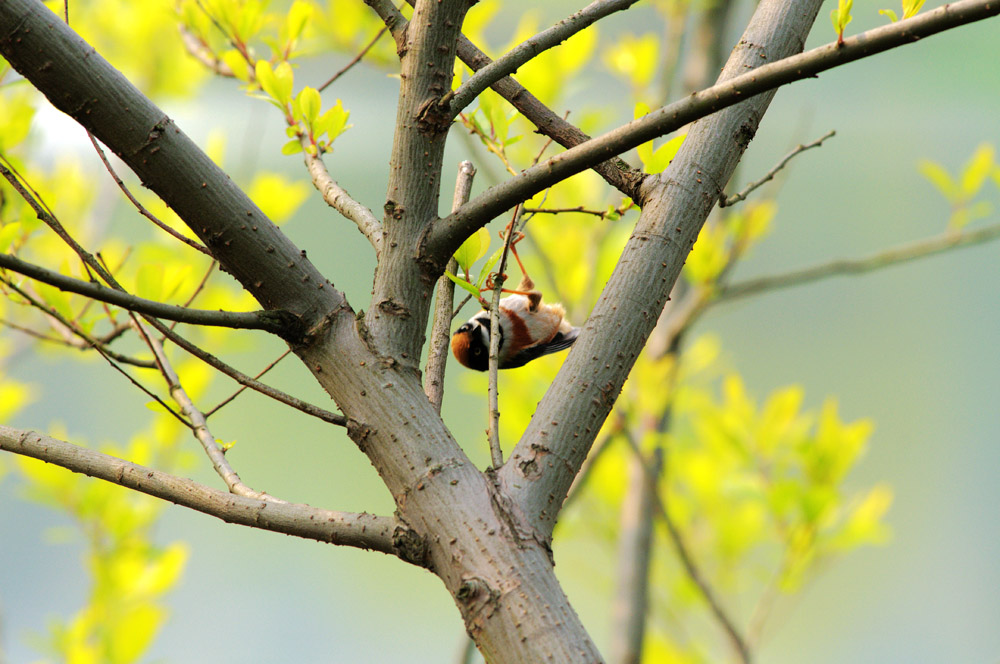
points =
(437, 356)
(357, 58)
(366, 531)
(736, 198)
(243, 379)
(525, 51)
(139, 206)
(199, 426)
(493, 432)
(338, 198)
(253, 320)
(240, 391)
(901, 254)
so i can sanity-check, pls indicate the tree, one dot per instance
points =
(486, 535)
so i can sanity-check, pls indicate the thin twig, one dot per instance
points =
(252, 320)
(357, 58)
(493, 432)
(199, 426)
(338, 198)
(366, 531)
(736, 198)
(139, 206)
(243, 379)
(900, 254)
(240, 391)
(200, 51)
(437, 355)
(49, 311)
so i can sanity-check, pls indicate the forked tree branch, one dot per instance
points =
(365, 531)
(529, 49)
(270, 321)
(448, 233)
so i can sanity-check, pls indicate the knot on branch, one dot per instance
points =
(286, 325)
(409, 545)
(433, 117)
(477, 600)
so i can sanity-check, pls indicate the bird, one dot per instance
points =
(529, 329)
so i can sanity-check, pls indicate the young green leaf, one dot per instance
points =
(462, 283)
(473, 249)
(840, 17)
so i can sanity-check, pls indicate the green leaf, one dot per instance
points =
(888, 12)
(977, 170)
(266, 78)
(473, 249)
(940, 178)
(291, 147)
(295, 22)
(840, 17)
(463, 283)
(285, 80)
(309, 104)
(237, 63)
(912, 7)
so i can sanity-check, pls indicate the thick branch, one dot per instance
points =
(365, 531)
(448, 233)
(271, 321)
(527, 50)
(552, 449)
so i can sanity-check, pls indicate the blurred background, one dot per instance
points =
(913, 347)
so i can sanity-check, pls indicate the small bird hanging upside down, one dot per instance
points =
(529, 329)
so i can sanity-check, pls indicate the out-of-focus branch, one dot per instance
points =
(631, 603)
(437, 356)
(901, 254)
(366, 531)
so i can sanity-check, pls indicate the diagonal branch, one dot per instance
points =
(448, 233)
(365, 531)
(854, 266)
(199, 426)
(271, 321)
(338, 198)
(726, 201)
(529, 49)
(552, 449)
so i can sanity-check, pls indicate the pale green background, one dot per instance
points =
(913, 347)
